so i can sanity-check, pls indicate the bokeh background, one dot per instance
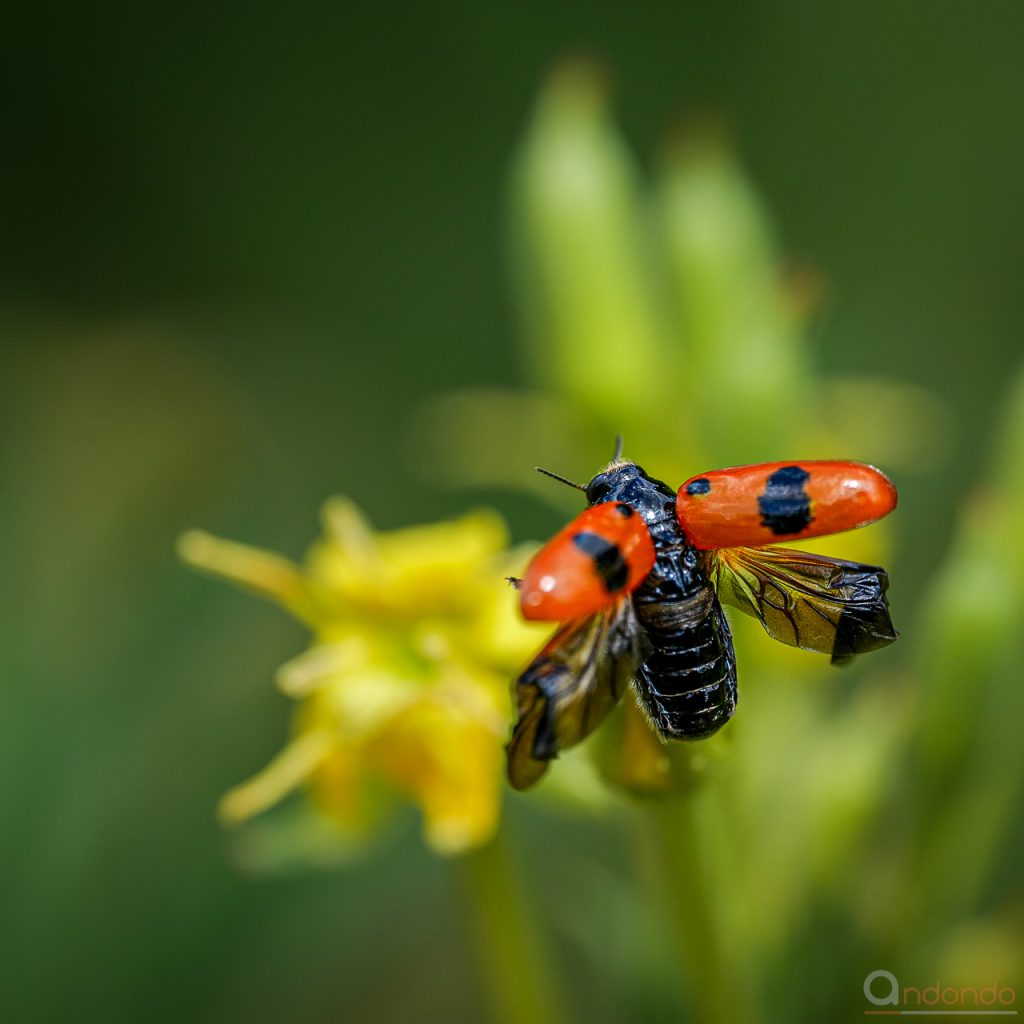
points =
(241, 249)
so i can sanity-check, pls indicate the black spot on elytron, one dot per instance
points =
(785, 506)
(608, 560)
(698, 487)
(624, 510)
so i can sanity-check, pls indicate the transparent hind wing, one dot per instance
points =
(569, 688)
(820, 604)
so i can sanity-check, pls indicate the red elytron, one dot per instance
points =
(568, 576)
(753, 505)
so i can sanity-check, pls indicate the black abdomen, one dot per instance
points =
(688, 681)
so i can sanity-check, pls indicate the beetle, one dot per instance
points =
(637, 582)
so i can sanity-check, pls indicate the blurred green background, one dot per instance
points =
(240, 247)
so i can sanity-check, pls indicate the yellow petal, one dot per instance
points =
(497, 632)
(285, 772)
(321, 664)
(414, 572)
(466, 690)
(340, 787)
(439, 558)
(345, 525)
(450, 766)
(354, 706)
(344, 565)
(265, 573)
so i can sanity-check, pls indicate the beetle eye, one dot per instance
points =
(598, 489)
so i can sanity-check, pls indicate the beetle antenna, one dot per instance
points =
(561, 479)
(618, 448)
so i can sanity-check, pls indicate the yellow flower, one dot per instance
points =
(405, 690)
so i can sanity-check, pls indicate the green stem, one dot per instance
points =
(719, 993)
(510, 945)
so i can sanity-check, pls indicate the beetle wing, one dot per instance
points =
(820, 604)
(570, 687)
